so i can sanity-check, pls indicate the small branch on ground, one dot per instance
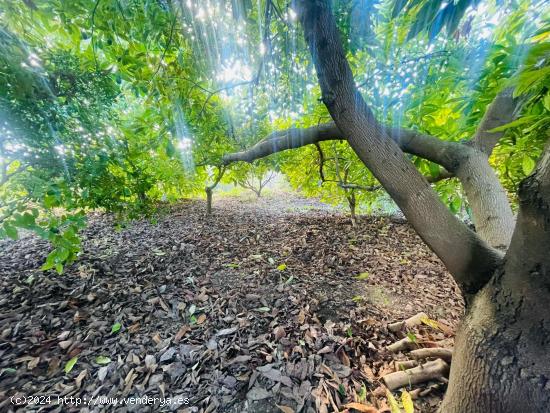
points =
(432, 370)
(437, 352)
(402, 345)
(409, 322)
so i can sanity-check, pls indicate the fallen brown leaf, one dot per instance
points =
(181, 332)
(363, 408)
(285, 409)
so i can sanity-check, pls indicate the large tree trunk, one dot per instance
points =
(501, 361)
(500, 358)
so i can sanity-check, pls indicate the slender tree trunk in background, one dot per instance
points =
(208, 201)
(352, 203)
(501, 362)
(209, 189)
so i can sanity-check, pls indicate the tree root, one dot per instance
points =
(409, 322)
(432, 370)
(436, 353)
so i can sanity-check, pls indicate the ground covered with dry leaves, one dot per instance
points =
(260, 307)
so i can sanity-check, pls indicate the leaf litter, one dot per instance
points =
(202, 307)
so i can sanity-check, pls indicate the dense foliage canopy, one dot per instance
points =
(122, 104)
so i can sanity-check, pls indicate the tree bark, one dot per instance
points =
(352, 203)
(208, 200)
(501, 361)
(210, 188)
(492, 215)
(501, 111)
(282, 140)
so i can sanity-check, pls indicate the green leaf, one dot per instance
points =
(70, 364)
(11, 231)
(50, 201)
(362, 395)
(281, 267)
(546, 101)
(362, 276)
(434, 169)
(397, 7)
(455, 205)
(115, 328)
(521, 121)
(430, 323)
(27, 220)
(394, 406)
(424, 18)
(12, 167)
(8, 370)
(62, 254)
(170, 149)
(342, 390)
(102, 360)
(407, 402)
(47, 266)
(412, 337)
(527, 164)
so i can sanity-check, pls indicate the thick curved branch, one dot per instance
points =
(426, 146)
(287, 139)
(469, 259)
(501, 111)
(492, 213)
(529, 247)
(491, 210)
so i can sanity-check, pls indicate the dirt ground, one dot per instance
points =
(260, 307)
